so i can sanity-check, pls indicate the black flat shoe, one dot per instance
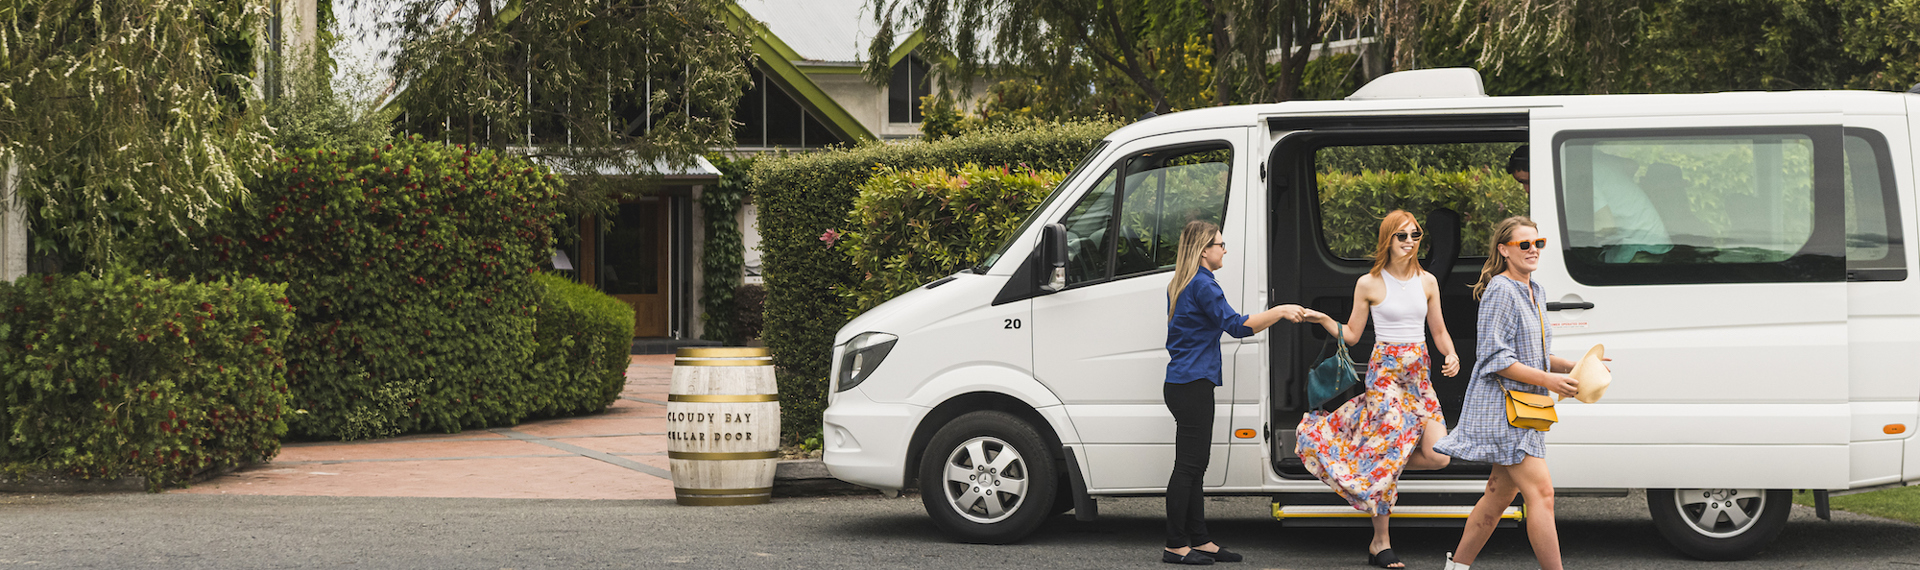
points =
(1192, 557)
(1384, 559)
(1221, 555)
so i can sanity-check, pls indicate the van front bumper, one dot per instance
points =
(866, 441)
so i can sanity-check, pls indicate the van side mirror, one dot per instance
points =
(1053, 258)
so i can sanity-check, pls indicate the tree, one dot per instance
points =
(128, 117)
(583, 84)
(1171, 53)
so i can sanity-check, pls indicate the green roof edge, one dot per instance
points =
(779, 58)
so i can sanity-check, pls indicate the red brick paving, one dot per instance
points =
(530, 461)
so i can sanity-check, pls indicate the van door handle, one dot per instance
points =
(1556, 305)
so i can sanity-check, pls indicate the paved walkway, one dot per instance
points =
(620, 454)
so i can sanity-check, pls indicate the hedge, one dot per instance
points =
(911, 227)
(123, 375)
(582, 338)
(411, 266)
(802, 197)
(1352, 205)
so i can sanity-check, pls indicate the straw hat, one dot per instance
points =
(1592, 375)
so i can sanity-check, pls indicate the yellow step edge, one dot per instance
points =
(1282, 512)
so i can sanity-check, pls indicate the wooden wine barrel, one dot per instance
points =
(723, 426)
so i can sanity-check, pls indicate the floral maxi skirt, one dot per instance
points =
(1360, 448)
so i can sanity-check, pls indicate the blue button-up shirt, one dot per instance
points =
(1193, 335)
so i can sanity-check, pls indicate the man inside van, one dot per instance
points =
(1626, 222)
(1517, 167)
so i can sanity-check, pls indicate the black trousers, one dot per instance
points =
(1192, 407)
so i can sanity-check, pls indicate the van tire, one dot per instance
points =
(976, 445)
(1677, 513)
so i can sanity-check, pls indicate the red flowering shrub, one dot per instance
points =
(118, 375)
(411, 269)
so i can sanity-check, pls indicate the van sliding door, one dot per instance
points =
(1708, 255)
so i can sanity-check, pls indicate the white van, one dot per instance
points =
(1741, 255)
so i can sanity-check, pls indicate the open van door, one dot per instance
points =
(1708, 254)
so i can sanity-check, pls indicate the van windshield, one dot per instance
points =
(1078, 171)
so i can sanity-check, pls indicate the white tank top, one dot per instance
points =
(1402, 315)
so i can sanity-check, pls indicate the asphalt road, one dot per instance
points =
(199, 531)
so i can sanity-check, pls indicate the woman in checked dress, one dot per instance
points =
(1514, 351)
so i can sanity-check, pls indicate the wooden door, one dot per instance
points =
(636, 264)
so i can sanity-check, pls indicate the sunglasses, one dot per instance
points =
(1218, 243)
(1404, 236)
(1526, 245)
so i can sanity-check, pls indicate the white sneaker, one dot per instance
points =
(1451, 565)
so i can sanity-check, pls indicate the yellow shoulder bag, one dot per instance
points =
(1527, 409)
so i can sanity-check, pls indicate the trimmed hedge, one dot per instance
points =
(411, 266)
(911, 227)
(802, 197)
(1352, 205)
(583, 336)
(124, 375)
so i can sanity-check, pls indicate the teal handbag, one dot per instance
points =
(1332, 381)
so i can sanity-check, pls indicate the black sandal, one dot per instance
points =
(1385, 559)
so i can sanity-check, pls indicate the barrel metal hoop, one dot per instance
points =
(723, 455)
(722, 501)
(752, 491)
(762, 361)
(722, 398)
(721, 352)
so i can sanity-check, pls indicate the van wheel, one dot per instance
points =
(988, 478)
(1719, 524)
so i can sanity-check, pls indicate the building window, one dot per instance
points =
(768, 116)
(904, 91)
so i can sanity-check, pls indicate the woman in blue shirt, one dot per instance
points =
(1197, 312)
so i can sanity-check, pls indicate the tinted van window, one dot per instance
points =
(1700, 208)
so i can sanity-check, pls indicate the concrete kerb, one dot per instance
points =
(809, 478)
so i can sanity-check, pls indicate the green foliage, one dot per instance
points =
(1352, 204)
(911, 227)
(804, 198)
(310, 109)
(722, 255)
(120, 374)
(1899, 503)
(583, 336)
(129, 119)
(411, 266)
(666, 74)
(1331, 77)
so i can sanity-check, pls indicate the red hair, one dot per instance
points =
(1384, 252)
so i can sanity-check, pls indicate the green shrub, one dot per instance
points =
(583, 336)
(411, 266)
(911, 227)
(1352, 205)
(118, 375)
(722, 253)
(802, 197)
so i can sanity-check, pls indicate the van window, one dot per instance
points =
(1160, 192)
(1708, 208)
(1874, 244)
(1087, 225)
(1359, 184)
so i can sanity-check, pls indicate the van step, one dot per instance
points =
(1403, 515)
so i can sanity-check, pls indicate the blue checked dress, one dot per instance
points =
(1510, 331)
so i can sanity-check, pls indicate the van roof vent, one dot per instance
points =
(1915, 89)
(1443, 83)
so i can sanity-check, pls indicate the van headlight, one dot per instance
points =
(863, 354)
